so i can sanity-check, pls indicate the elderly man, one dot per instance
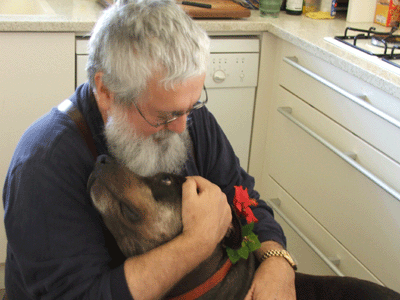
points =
(144, 105)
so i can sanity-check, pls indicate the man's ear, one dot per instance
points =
(104, 97)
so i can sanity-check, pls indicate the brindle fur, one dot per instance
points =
(145, 212)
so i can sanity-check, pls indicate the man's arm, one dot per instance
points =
(206, 217)
(274, 278)
(218, 163)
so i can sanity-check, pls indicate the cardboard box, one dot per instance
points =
(387, 12)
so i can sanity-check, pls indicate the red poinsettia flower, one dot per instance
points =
(242, 203)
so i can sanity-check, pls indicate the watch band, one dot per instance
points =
(281, 253)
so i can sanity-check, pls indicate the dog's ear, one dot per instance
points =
(234, 238)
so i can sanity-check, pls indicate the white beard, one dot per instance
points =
(164, 151)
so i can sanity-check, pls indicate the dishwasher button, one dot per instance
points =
(219, 76)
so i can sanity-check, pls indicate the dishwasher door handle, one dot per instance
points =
(287, 112)
(293, 61)
(332, 263)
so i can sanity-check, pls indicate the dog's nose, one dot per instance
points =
(101, 162)
(104, 159)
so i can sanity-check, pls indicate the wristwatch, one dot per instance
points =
(281, 253)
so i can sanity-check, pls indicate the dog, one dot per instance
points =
(143, 213)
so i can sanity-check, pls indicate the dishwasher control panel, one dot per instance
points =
(232, 70)
(233, 62)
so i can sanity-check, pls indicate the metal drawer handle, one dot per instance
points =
(330, 264)
(287, 112)
(333, 259)
(293, 62)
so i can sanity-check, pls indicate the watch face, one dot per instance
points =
(282, 253)
(290, 260)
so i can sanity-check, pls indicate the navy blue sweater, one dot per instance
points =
(58, 246)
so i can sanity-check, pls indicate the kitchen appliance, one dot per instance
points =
(231, 82)
(381, 48)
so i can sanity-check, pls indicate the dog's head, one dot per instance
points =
(141, 212)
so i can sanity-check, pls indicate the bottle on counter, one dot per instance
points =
(329, 6)
(311, 6)
(294, 7)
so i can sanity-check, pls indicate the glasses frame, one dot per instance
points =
(197, 105)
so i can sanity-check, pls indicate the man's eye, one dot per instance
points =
(163, 119)
(178, 114)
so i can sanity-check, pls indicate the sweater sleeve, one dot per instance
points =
(216, 161)
(58, 246)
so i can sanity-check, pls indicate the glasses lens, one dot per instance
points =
(202, 101)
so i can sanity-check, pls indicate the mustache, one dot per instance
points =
(163, 151)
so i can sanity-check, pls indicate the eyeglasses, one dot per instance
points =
(175, 115)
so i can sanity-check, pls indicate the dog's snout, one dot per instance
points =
(104, 159)
(166, 179)
(101, 161)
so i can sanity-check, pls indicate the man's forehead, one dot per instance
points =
(178, 98)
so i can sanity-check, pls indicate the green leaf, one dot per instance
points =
(233, 255)
(244, 252)
(254, 244)
(247, 229)
(250, 243)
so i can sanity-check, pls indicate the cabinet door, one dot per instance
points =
(354, 104)
(353, 208)
(315, 249)
(36, 73)
(233, 109)
(308, 262)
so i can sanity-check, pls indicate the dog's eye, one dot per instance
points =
(128, 213)
(166, 179)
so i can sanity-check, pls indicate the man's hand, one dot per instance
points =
(206, 216)
(206, 213)
(274, 278)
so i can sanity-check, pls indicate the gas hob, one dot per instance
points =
(381, 48)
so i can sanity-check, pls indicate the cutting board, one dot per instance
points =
(220, 9)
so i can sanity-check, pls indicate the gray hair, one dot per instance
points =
(133, 40)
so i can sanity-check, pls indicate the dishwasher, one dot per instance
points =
(231, 83)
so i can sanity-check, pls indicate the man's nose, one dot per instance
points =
(178, 125)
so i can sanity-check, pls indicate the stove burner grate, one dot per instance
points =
(386, 40)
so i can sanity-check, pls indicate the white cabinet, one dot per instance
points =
(332, 159)
(321, 256)
(36, 73)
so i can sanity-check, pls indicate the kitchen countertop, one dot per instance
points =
(80, 16)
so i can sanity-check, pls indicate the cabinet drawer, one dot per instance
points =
(308, 262)
(315, 249)
(358, 212)
(384, 168)
(359, 107)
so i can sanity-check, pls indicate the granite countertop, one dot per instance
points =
(79, 16)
